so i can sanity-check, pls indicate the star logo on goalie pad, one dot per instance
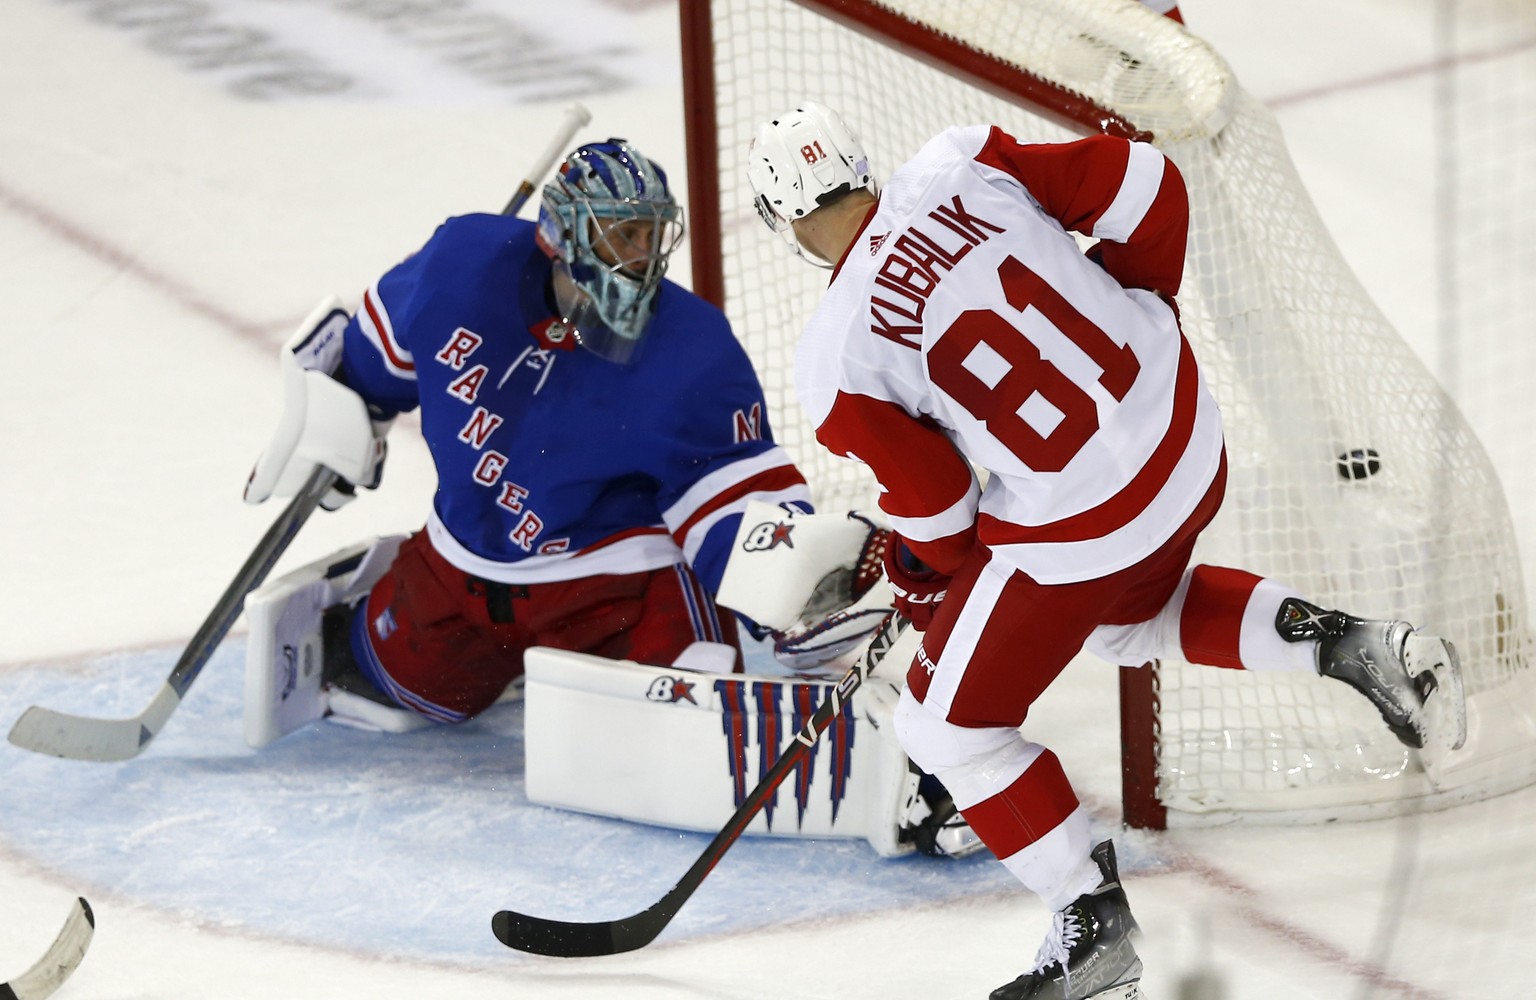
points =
(671, 690)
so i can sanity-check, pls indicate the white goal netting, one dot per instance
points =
(1353, 476)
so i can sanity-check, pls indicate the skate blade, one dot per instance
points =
(1446, 708)
(1121, 991)
(1127, 989)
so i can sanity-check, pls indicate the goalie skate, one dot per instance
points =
(1088, 954)
(934, 826)
(1414, 680)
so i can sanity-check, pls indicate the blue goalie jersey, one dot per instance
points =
(553, 463)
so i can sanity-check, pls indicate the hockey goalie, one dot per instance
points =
(598, 435)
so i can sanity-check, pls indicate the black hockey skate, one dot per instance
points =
(339, 670)
(1088, 953)
(1413, 680)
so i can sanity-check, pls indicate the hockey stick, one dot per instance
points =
(81, 738)
(61, 959)
(576, 116)
(563, 939)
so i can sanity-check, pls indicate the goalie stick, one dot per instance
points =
(83, 738)
(576, 117)
(80, 737)
(566, 939)
(61, 959)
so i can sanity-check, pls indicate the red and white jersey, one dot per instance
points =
(966, 327)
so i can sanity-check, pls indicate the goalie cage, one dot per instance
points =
(1353, 477)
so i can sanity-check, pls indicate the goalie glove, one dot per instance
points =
(810, 582)
(919, 589)
(830, 625)
(816, 642)
(323, 421)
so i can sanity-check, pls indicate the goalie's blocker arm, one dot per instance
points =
(323, 422)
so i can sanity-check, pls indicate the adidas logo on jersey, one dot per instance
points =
(876, 242)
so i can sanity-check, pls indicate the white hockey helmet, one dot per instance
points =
(800, 159)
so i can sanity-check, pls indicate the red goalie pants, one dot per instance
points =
(446, 644)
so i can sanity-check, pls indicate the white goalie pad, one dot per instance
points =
(682, 748)
(785, 568)
(323, 422)
(283, 657)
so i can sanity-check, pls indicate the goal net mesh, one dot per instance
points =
(1353, 477)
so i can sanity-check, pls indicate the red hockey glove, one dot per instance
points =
(919, 588)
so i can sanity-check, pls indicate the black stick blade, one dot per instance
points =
(562, 939)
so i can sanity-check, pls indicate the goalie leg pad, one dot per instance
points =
(708, 658)
(285, 652)
(682, 747)
(355, 711)
(896, 805)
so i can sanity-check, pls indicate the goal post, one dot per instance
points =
(1352, 476)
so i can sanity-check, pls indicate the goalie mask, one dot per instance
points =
(797, 162)
(609, 222)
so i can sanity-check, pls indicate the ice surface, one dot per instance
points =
(160, 236)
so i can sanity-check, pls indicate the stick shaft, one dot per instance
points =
(77, 737)
(576, 117)
(255, 570)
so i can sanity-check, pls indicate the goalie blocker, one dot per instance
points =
(285, 684)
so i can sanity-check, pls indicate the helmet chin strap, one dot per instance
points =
(793, 238)
(824, 236)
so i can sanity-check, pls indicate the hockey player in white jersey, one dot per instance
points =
(964, 327)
